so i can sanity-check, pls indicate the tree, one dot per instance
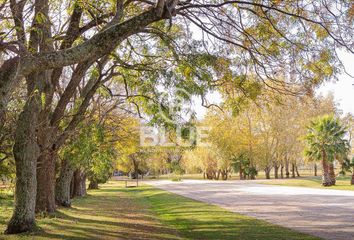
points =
(352, 165)
(325, 141)
(242, 165)
(349, 122)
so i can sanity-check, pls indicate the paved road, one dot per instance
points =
(328, 214)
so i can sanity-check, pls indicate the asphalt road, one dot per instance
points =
(325, 213)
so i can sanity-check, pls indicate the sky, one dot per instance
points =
(343, 89)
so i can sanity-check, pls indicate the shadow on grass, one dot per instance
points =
(196, 220)
(103, 214)
(114, 212)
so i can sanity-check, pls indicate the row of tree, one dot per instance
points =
(274, 132)
(268, 134)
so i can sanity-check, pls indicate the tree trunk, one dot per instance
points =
(224, 175)
(209, 174)
(326, 181)
(72, 183)
(26, 152)
(267, 172)
(293, 170)
(217, 176)
(297, 171)
(332, 174)
(46, 183)
(93, 184)
(287, 173)
(315, 169)
(62, 187)
(79, 183)
(352, 182)
(253, 177)
(276, 169)
(281, 171)
(241, 172)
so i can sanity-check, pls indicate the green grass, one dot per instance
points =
(197, 220)
(342, 183)
(107, 213)
(114, 212)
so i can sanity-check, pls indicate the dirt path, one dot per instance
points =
(325, 213)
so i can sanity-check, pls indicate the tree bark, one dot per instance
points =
(332, 174)
(72, 183)
(79, 183)
(287, 173)
(96, 47)
(297, 171)
(217, 176)
(281, 171)
(241, 172)
(352, 181)
(46, 183)
(293, 170)
(326, 181)
(267, 172)
(276, 169)
(315, 169)
(62, 187)
(224, 175)
(26, 152)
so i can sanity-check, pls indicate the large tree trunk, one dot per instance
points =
(26, 152)
(79, 183)
(332, 174)
(46, 183)
(62, 187)
(315, 169)
(352, 181)
(326, 180)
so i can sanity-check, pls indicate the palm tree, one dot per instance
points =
(325, 141)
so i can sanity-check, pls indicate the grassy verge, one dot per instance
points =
(197, 220)
(107, 213)
(114, 212)
(342, 183)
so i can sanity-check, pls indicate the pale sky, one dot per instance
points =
(343, 89)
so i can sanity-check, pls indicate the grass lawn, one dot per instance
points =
(342, 183)
(114, 212)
